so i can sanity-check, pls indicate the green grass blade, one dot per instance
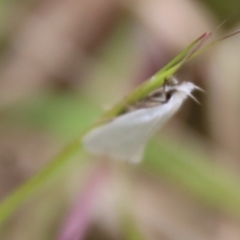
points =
(205, 48)
(14, 200)
(184, 53)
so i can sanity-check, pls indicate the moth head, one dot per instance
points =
(164, 93)
(186, 89)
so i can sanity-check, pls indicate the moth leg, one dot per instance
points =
(167, 83)
(164, 89)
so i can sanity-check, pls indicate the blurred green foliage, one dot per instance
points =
(62, 113)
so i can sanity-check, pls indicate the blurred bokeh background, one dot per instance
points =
(62, 63)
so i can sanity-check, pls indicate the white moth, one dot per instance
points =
(125, 137)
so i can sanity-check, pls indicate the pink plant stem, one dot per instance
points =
(76, 223)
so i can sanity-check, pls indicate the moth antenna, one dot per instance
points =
(194, 99)
(200, 89)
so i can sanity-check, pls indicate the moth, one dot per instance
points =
(125, 137)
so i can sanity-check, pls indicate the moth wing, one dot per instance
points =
(125, 137)
(137, 156)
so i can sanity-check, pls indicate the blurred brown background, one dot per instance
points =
(63, 62)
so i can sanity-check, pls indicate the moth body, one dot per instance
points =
(125, 137)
